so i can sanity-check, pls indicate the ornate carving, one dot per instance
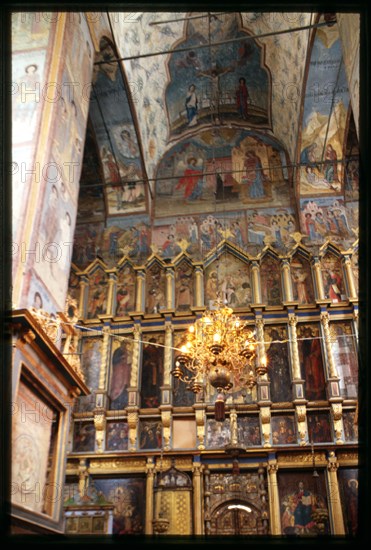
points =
(293, 320)
(118, 464)
(301, 413)
(28, 336)
(83, 477)
(259, 323)
(200, 427)
(272, 468)
(100, 426)
(301, 458)
(71, 310)
(265, 415)
(337, 411)
(132, 423)
(332, 466)
(344, 456)
(135, 358)
(49, 324)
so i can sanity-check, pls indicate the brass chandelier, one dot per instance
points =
(221, 349)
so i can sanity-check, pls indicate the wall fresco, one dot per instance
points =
(221, 166)
(324, 117)
(216, 84)
(327, 218)
(125, 191)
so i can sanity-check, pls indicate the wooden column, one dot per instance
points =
(197, 495)
(149, 496)
(293, 321)
(350, 278)
(334, 495)
(199, 287)
(318, 279)
(274, 501)
(287, 284)
(255, 276)
(111, 310)
(139, 299)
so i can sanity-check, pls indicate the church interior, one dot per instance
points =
(185, 274)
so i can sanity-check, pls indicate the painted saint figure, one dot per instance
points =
(253, 181)
(191, 104)
(192, 180)
(242, 98)
(120, 380)
(312, 365)
(331, 167)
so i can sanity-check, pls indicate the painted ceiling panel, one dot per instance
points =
(153, 85)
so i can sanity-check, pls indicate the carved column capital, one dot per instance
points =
(272, 468)
(293, 320)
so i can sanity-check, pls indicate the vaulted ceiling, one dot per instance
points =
(181, 95)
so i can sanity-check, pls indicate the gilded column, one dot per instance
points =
(168, 353)
(318, 279)
(134, 375)
(111, 286)
(287, 285)
(207, 501)
(350, 278)
(262, 357)
(83, 284)
(197, 495)
(334, 495)
(263, 379)
(150, 467)
(255, 276)
(199, 286)
(325, 320)
(274, 501)
(293, 321)
(139, 300)
(170, 290)
(105, 359)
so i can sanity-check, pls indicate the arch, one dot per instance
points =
(236, 517)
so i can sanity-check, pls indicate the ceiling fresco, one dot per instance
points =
(217, 84)
(324, 116)
(159, 99)
(249, 140)
(221, 169)
(112, 120)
